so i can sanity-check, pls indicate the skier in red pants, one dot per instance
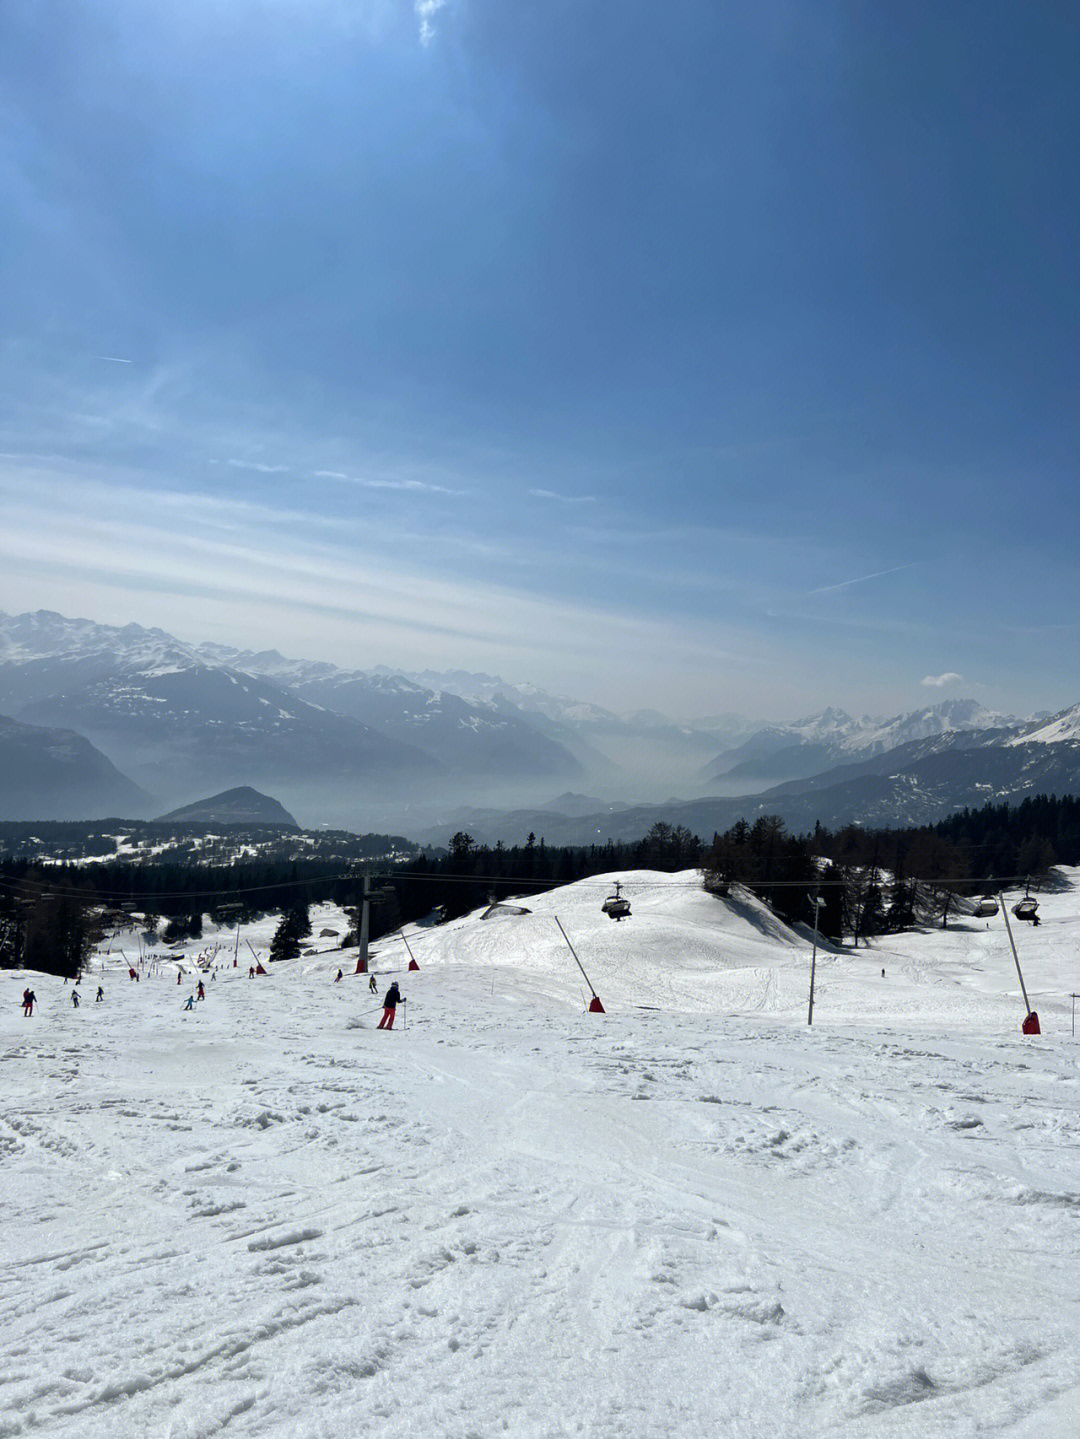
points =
(390, 1004)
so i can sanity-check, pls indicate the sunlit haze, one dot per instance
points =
(707, 357)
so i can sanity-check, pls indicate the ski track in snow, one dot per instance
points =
(264, 1217)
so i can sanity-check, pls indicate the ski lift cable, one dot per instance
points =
(95, 896)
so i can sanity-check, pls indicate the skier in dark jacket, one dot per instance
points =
(100, 995)
(75, 998)
(390, 1004)
(29, 999)
(371, 982)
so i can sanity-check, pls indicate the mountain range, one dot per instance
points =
(106, 719)
(915, 783)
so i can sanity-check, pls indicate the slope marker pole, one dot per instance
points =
(817, 903)
(412, 957)
(1019, 971)
(595, 1007)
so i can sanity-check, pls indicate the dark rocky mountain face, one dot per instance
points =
(56, 774)
(240, 806)
(188, 727)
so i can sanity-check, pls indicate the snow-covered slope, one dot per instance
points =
(688, 1216)
(1062, 728)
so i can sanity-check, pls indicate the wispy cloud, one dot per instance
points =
(861, 579)
(409, 486)
(938, 682)
(252, 573)
(563, 499)
(406, 486)
(257, 465)
(426, 10)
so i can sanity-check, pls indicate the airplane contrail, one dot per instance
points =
(861, 578)
(113, 359)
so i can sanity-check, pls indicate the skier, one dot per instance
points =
(29, 999)
(190, 1002)
(390, 1004)
(251, 971)
(202, 991)
(179, 976)
(75, 998)
(100, 995)
(371, 982)
(339, 978)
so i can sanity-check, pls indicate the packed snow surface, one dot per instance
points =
(691, 1215)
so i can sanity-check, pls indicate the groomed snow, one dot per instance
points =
(690, 1215)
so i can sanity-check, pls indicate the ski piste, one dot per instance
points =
(553, 1214)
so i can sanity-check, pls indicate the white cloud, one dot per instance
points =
(563, 499)
(328, 475)
(256, 465)
(425, 9)
(938, 682)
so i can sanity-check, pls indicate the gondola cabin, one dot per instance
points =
(616, 906)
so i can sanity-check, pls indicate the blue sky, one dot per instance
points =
(706, 357)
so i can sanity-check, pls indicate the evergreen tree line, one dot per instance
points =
(873, 880)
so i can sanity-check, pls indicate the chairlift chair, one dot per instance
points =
(615, 906)
(1027, 908)
(986, 907)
